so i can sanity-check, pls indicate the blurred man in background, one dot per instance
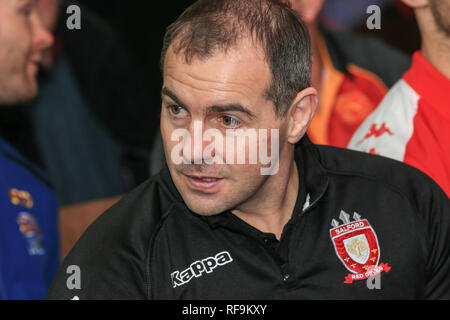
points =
(20, 59)
(412, 122)
(80, 156)
(29, 250)
(351, 72)
(92, 120)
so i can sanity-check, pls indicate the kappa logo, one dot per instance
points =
(376, 132)
(200, 267)
(356, 245)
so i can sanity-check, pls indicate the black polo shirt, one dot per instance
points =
(357, 216)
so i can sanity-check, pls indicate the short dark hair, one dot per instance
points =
(209, 26)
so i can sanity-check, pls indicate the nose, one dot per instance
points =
(42, 38)
(194, 144)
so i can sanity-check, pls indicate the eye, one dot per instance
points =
(230, 122)
(177, 111)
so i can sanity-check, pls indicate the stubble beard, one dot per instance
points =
(441, 11)
(19, 88)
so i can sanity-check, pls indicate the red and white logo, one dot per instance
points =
(376, 132)
(356, 245)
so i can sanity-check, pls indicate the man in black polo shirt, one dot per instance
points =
(226, 221)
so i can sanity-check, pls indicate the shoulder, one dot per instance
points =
(17, 161)
(390, 126)
(401, 195)
(402, 96)
(137, 214)
(112, 254)
(381, 175)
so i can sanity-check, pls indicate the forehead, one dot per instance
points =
(241, 72)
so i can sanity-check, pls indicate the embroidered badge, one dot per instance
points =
(21, 198)
(356, 245)
(30, 229)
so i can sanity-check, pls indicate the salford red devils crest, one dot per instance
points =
(356, 245)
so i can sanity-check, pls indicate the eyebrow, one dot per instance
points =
(167, 92)
(235, 107)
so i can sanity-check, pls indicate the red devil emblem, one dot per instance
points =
(356, 245)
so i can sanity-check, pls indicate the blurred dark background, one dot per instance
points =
(143, 23)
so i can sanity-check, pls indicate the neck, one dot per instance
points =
(272, 207)
(435, 43)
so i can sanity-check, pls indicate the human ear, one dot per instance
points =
(301, 114)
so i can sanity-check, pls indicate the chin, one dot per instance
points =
(27, 97)
(203, 208)
(29, 92)
(18, 98)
